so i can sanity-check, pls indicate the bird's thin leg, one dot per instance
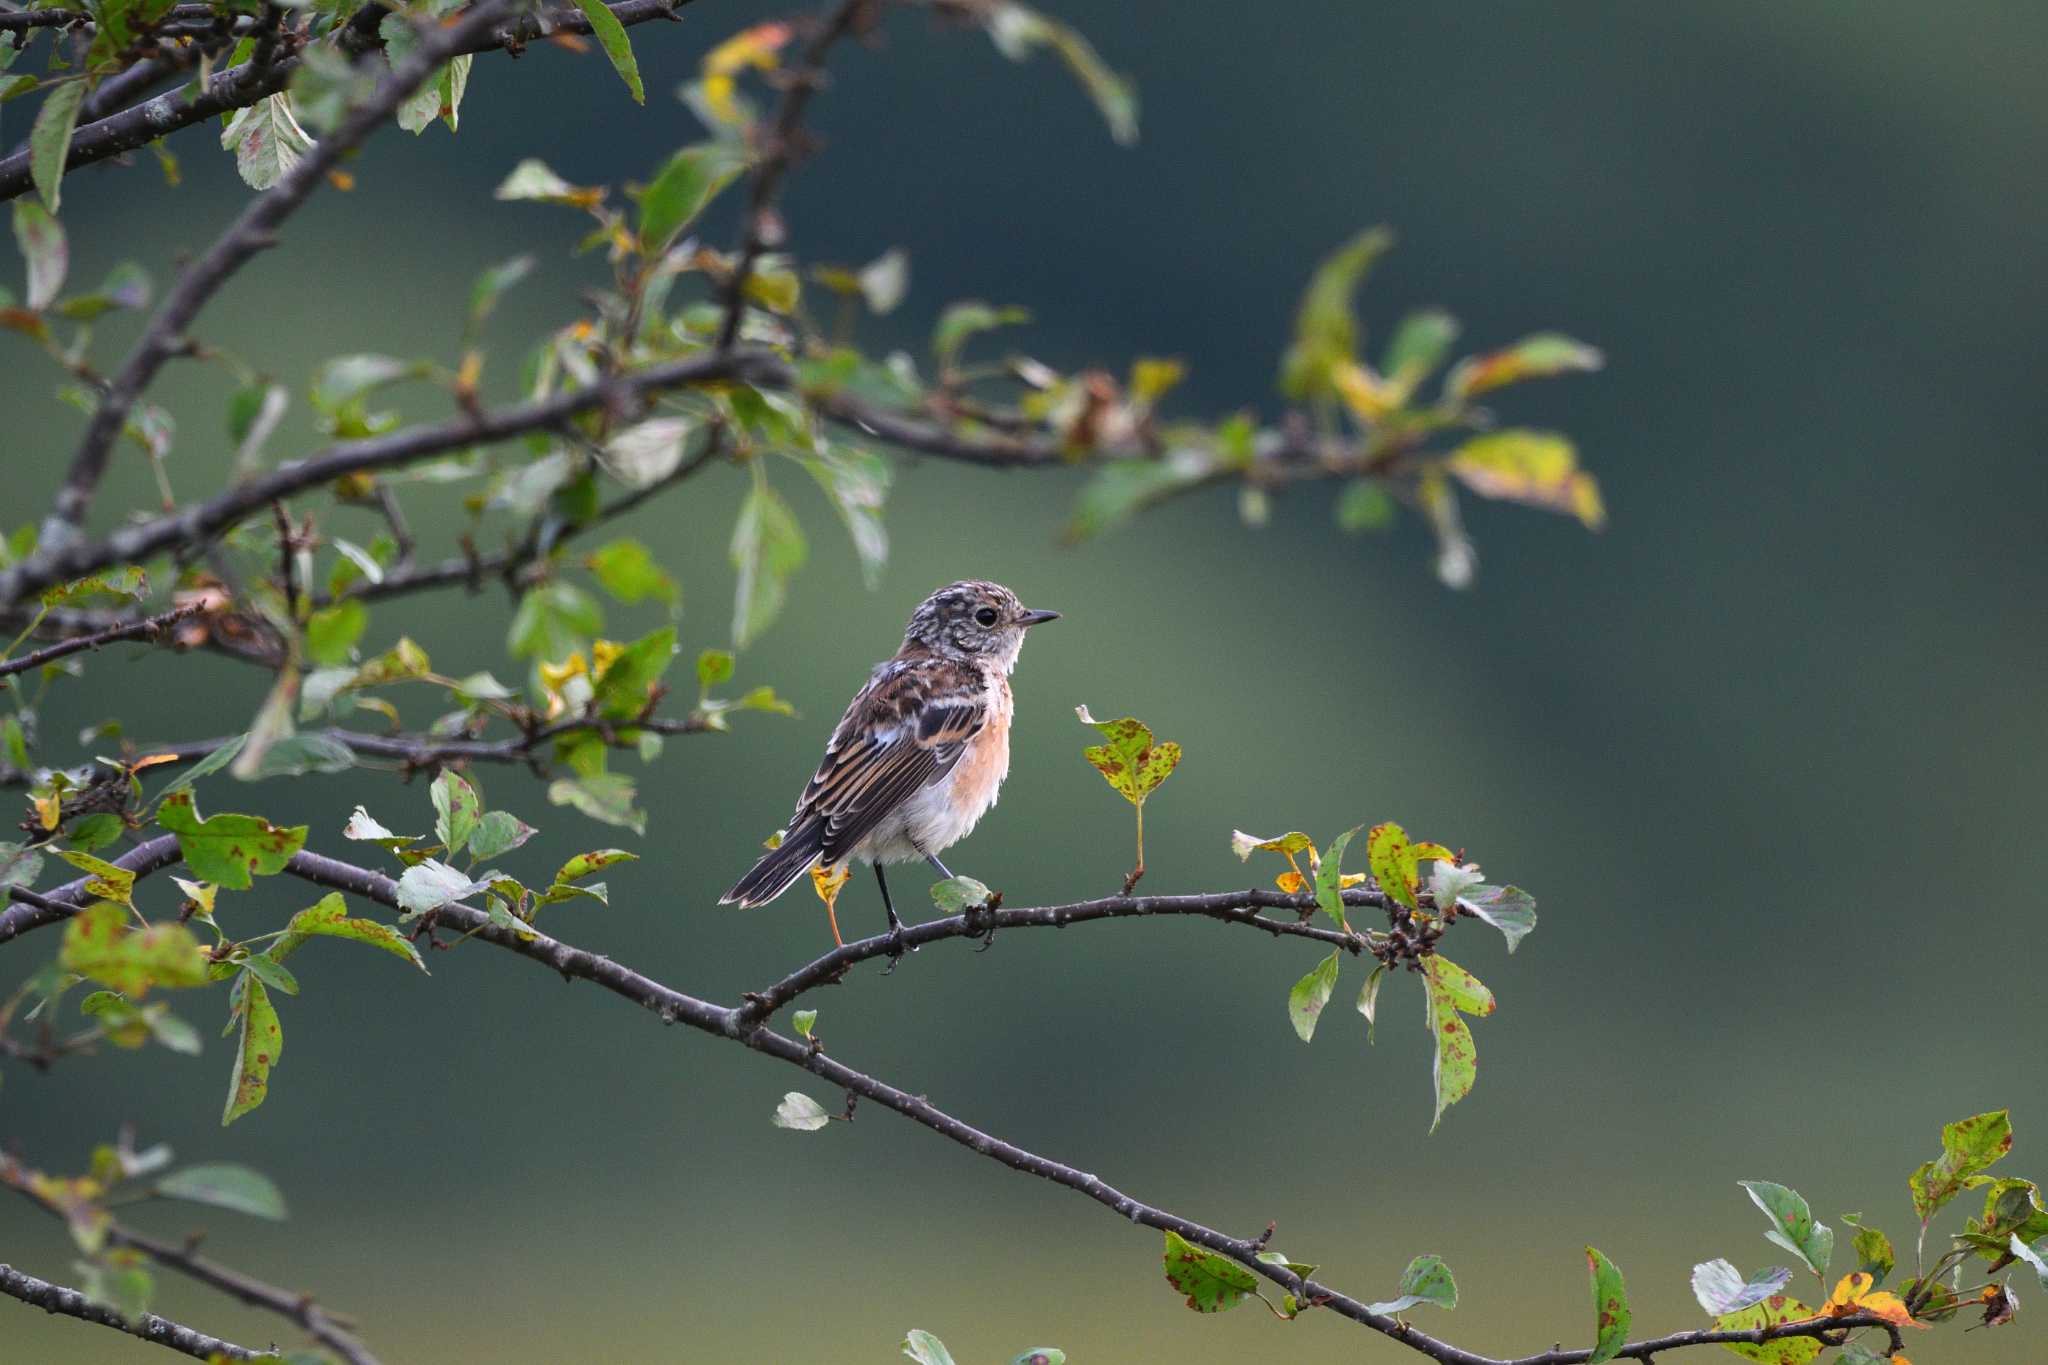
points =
(938, 866)
(895, 924)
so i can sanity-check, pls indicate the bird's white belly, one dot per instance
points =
(941, 815)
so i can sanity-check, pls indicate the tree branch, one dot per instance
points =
(784, 144)
(253, 231)
(294, 1307)
(150, 627)
(741, 1023)
(56, 1298)
(240, 86)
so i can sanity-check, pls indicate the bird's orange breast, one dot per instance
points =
(981, 770)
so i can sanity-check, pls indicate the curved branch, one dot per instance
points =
(150, 627)
(741, 1024)
(240, 86)
(57, 1298)
(288, 1304)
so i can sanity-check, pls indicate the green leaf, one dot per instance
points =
(226, 1185)
(267, 141)
(1211, 1283)
(1778, 1308)
(532, 180)
(1426, 1280)
(227, 849)
(1325, 329)
(857, 482)
(1419, 345)
(44, 248)
(1873, 1251)
(1016, 29)
(1967, 1147)
(440, 97)
(1306, 1000)
(49, 140)
(261, 1045)
(966, 319)
(457, 808)
(624, 687)
(1042, 1355)
(800, 1112)
(271, 973)
(601, 796)
(715, 666)
(1721, 1289)
(1364, 506)
(627, 570)
(956, 895)
(803, 1021)
(583, 864)
(1129, 761)
(1447, 989)
(127, 583)
(1610, 1307)
(1507, 908)
(2035, 1256)
(498, 833)
(1792, 1224)
(100, 945)
(332, 632)
(611, 36)
(1120, 489)
(767, 547)
(552, 621)
(329, 918)
(1394, 861)
(105, 880)
(1330, 878)
(1244, 845)
(926, 1349)
(680, 190)
(1542, 356)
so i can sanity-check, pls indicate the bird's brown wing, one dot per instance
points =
(905, 731)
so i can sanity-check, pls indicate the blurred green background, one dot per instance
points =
(1768, 750)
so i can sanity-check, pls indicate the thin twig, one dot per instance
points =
(150, 627)
(57, 1298)
(289, 1304)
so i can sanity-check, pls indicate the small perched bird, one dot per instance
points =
(920, 754)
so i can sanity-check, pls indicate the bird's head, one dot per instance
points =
(974, 619)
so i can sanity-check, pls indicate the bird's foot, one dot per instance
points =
(982, 920)
(897, 947)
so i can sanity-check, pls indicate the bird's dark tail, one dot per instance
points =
(779, 867)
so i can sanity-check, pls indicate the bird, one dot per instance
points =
(920, 754)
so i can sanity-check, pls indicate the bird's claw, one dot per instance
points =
(896, 948)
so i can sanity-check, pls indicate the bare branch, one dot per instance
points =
(289, 1304)
(56, 1298)
(149, 627)
(784, 144)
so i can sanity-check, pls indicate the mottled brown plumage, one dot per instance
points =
(921, 752)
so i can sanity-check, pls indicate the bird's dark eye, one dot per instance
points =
(987, 616)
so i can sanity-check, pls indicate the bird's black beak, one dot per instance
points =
(1037, 618)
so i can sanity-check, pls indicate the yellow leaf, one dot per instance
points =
(1293, 883)
(1855, 1295)
(754, 47)
(828, 883)
(49, 809)
(1364, 392)
(1536, 467)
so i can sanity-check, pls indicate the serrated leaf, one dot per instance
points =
(1721, 1289)
(1211, 1283)
(267, 141)
(800, 1112)
(104, 879)
(430, 884)
(1611, 1316)
(1447, 989)
(1792, 1223)
(226, 1185)
(457, 809)
(262, 1043)
(228, 850)
(1129, 760)
(498, 833)
(1507, 908)
(1426, 1280)
(1306, 1000)
(100, 945)
(329, 918)
(1777, 1309)
(1967, 1147)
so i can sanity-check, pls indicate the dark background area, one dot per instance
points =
(1768, 750)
